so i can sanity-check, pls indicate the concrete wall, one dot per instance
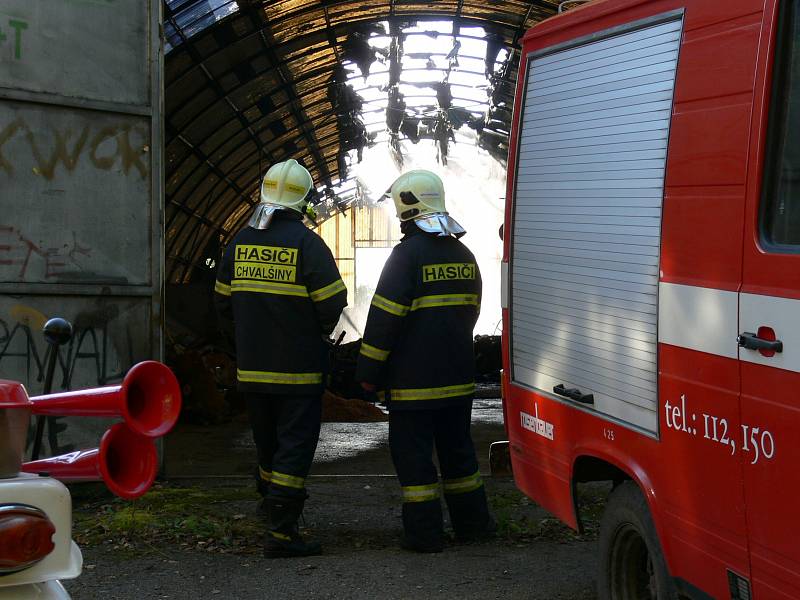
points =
(81, 190)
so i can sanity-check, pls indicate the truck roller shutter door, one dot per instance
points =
(587, 218)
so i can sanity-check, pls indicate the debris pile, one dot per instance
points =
(336, 409)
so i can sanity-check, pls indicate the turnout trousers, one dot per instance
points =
(286, 431)
(412, 437)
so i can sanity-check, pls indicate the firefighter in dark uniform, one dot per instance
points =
(279, 284)
(418, 349)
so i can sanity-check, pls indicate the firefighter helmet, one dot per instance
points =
(287, 184)
(419, 195)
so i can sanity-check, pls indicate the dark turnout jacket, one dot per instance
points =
(417, 343)
(284, 293)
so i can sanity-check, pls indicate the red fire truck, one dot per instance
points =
(651, 289)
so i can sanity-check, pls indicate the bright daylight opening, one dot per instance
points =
(425, 100)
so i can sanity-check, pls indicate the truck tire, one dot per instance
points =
(632, 565)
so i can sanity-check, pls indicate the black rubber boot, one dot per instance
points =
(262, 488)
(283, 539)
(423, 529)
(262, 509)
(470, 517)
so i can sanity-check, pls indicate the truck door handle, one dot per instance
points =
(751, 341)
(573, 394)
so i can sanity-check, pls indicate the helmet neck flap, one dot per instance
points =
(441, 224)
(419, 196)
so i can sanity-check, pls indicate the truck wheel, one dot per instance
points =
(632, 565)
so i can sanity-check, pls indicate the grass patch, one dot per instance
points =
(223, 519)
(519, 519)
(215, 520)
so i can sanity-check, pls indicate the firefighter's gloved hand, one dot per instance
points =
(330, 341)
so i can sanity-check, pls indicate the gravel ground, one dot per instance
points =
(538, 571)
(357, 520)
(194, 537)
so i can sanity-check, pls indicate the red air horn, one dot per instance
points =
(126, 462)
(149, 401)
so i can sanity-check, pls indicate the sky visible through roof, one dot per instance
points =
(474, 180)
(424, 64)
(475, 186)
(192, 17)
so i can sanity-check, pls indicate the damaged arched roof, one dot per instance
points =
(252, 82)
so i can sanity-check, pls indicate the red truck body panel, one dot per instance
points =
(717, 507)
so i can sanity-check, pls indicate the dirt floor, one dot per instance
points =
(196, 535)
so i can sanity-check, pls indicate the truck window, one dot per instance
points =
(781, 202)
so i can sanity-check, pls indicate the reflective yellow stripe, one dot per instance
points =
(463, 484)
(445, 300)
(297, 189)
(373, 352)
(420, 493)
(221, 288)
(279, 536)
(449, 391)
(401, 310)
(265, 475)
(265, 287)
(272, 377)
(287, 480)
(328, 291)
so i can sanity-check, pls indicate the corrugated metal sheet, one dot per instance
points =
(338, 235)
(587, 219)
(375, 227)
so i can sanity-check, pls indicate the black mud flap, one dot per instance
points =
(500, 459)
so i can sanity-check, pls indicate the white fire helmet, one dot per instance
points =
(419, 195)
(285, 186)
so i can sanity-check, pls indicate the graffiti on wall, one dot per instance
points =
(11, 31)
(91, 343)
(77, 173)
(20, 255)
(103, 347)
(78, 184)
(122, 146)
